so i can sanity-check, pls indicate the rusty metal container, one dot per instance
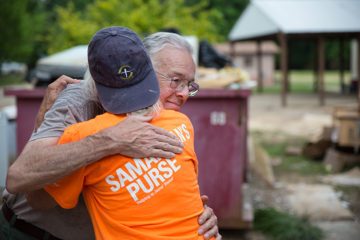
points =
(220, 120)
(27, 103)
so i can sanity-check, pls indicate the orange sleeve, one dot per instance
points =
(67, 190)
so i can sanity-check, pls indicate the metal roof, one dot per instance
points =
(268, 17)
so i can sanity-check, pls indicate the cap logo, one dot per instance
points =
(125, 72)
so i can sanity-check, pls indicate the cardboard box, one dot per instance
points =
(349, 131)
(347, 123)
(342, 111)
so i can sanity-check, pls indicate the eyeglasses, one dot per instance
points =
(179, 84)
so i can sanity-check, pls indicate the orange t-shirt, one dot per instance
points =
(127, 198)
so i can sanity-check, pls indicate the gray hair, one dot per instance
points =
(153, 110)
(89, 88)
(155, 42)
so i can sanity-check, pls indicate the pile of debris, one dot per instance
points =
(227, 77)
(217, 70)
(339, 144)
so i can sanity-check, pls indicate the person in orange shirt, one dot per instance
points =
(149, 198)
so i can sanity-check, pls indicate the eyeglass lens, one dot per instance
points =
(179, 85)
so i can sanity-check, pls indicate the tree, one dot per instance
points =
(16, 31)
(230, 11)
(143, 16)
(25, 25)
(32, 28)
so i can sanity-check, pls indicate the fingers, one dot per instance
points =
(214, 232)
(63, 81)
(160, 134)
(209, 229)
(165, 140)
(138, 139)
(162, 154)
(161, 139)
(205, 215)
(208, 222)
(60, 84)
(166, 149)
(162, 131)
(218, 237)
(67, 80)
(204, 199)
(53, 91)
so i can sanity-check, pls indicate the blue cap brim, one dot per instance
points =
(132, 98)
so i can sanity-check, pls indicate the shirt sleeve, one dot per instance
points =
(62, 114)
(72, 106)
(66, 191)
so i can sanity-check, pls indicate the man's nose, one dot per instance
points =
(183, 93)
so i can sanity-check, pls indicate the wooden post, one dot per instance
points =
(321, 64)
(315, 66)
(232, 50)
(342, 64)
(259, 65)
(284, 66)
(358, 70)
(288, 70)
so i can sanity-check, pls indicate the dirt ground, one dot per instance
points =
(302, 117)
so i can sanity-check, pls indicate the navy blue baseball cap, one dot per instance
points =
(122, 70)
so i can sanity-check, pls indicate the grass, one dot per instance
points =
(276, 143)
(346, 190)
(283, 226)
(279, 225)
(302, 81)
(301, 165)
(12, 79)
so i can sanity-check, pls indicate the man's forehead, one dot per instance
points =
(185, 76)
(176, 62)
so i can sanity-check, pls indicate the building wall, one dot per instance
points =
(246, 58)
(249, 63)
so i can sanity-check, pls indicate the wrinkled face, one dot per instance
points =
(174, 62)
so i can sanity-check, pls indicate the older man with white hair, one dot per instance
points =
(42, 162)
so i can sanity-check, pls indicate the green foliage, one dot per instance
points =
(301, 165)
(283, 226)
(302, 81)
(229, 10)
(12, 79)
(276, 143)
(22, 24)
(16, 40)
(143, 16)
(302, 54)
(71, 29)
(32, 28)
(332, 54)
